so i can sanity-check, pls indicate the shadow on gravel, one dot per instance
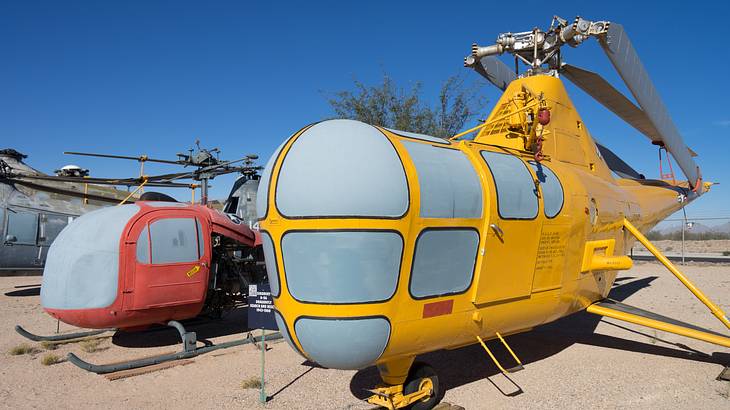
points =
(28, 291)
(468, 364)
(235, 322)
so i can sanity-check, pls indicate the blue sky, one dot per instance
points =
(150, 77)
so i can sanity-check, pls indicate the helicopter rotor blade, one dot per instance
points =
(141, 158)
(619, 50)
(98, 181)
(603, 92)
(493, 69)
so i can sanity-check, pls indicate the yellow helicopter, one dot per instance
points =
(383, 244)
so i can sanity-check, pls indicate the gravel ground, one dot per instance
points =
(578, 362)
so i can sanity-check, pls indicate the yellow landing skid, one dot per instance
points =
(494, 359)
(637, 316)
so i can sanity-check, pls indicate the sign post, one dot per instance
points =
(261, 316)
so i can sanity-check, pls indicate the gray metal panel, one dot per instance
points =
(174, 240)
(271, 267)
(418, 136)
(143, 246)
(495, 71)
(449, 184)
(342, 266)
(516, 196)
(82, 268)
(552, 190)
(598, 88)
(262, 193)
(343, 344)
(620, 51)
(342, 168)
(443, 262)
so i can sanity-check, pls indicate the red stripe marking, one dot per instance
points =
(443, 307)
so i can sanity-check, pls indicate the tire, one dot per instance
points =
(419, 371)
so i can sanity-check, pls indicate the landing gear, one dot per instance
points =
(189, 349)
(422, 377)
(419, 390)
(60, 337)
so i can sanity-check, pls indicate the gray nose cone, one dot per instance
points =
(343, 344)
(342, 168)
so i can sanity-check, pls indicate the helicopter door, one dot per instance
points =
(171, 264)
(514, 230)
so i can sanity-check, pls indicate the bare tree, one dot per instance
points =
(391, 106)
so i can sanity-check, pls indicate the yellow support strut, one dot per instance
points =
(144, 181)
(494, 359)
(659, 325)
(669, 265)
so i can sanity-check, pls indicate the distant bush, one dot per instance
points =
(688, 235)
(725, 253)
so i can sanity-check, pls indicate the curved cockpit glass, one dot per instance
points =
(82, 268)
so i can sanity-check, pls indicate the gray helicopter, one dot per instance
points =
(35, 207)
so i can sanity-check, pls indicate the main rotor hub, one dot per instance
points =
(537, 48)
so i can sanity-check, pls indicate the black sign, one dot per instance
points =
(261, 307)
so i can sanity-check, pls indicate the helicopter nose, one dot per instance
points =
(333, 170)
(82, 267)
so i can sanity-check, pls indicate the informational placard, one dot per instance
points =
(261, 307)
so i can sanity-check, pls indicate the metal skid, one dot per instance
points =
(190, 349)
(60, 337)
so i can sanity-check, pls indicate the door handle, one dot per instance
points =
(497, 230)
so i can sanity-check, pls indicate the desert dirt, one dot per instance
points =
(577, 362)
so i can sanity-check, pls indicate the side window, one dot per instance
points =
(22, 227)
(175, 240)
(516, 197)
(552, 190)
(449, 184)
(51, 226)
(443, 263)
(143, 246)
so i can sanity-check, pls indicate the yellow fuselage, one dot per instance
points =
(526, 270)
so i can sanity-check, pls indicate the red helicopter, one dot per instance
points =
(155, 261)
(128, 266)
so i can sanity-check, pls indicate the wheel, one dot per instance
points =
(420, 371)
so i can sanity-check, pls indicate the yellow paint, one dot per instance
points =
(534, 271)
(685, 281)
(599, 256)
(193, 271)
